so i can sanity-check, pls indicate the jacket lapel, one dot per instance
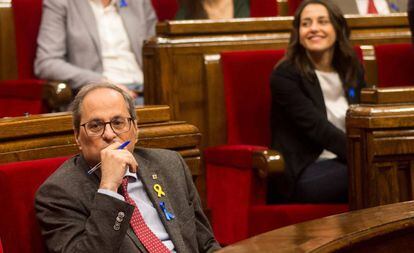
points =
(135, 239)
(88, 19)
(131, 22)
(150, 177)
(314, 90)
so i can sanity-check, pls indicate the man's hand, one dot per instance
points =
(114, 164)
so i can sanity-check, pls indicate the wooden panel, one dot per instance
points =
(216, 113)
(48, 135)
(395, 95)
(8, 63)
(180, 69)
(381, 148)
(384, 229)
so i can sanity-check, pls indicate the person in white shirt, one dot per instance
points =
(362, 6)
(83, 41)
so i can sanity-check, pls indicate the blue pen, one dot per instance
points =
(97, 166)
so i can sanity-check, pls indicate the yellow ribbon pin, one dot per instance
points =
(159, 190)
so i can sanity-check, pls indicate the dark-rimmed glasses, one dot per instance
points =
(97, 127)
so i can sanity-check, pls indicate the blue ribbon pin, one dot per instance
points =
(394, 7)
(123, 3)
(351, 92)
(167, 214)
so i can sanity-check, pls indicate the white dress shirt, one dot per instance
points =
(380, 5)
(119, 63)
(335, 102)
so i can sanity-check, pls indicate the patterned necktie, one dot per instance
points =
(371, 7)
(142, 231)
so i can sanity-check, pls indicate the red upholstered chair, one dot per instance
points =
(18, 183)
(24, 95)
(1, 247)
(293, 5)
(165, 9)
(263, 8)
(235, 172)
(395, 64)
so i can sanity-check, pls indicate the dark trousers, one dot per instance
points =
(323, 182)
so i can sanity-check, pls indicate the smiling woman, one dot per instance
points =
(311, 90)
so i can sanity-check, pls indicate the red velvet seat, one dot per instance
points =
(293, 5)
(269, 8)
(395, 64)
(235, 194)
(165, 9)
(24, 95)
(19, 181)
(263, 8)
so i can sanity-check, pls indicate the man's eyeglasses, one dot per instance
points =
(97, 127)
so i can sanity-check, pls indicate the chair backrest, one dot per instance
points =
(263, 8)
(246, 76)
(293, 5)
(18, 183)
(165, 9)
(18, 97)
(395, 64)
(27, 15)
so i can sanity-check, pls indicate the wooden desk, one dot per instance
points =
(382, 229)
(51, 135)
(380, 134)
(181, 64)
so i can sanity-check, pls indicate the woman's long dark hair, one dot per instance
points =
(344, 60)
(194, 9)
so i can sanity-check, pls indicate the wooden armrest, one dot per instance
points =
(57, 94)
(268, 163)
(387, 95)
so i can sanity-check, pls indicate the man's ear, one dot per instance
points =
(77, 139)
(137, 130)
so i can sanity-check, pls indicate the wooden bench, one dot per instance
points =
(380, 135)
(382, 229)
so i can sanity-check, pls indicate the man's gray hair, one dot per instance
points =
(77, 102)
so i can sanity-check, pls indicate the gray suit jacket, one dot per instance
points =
(68, 42)
(350, 6)
(75, 218)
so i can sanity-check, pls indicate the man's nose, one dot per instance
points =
(108, 132)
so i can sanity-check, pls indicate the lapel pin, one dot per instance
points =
(351, 92)
(154, 176)
(123, 3)
(169, 216)
(159, 190)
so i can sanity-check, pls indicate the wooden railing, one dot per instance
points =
(380, 229)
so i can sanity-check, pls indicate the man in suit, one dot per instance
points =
(82, 41)
(80, 211)
(363, 6)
